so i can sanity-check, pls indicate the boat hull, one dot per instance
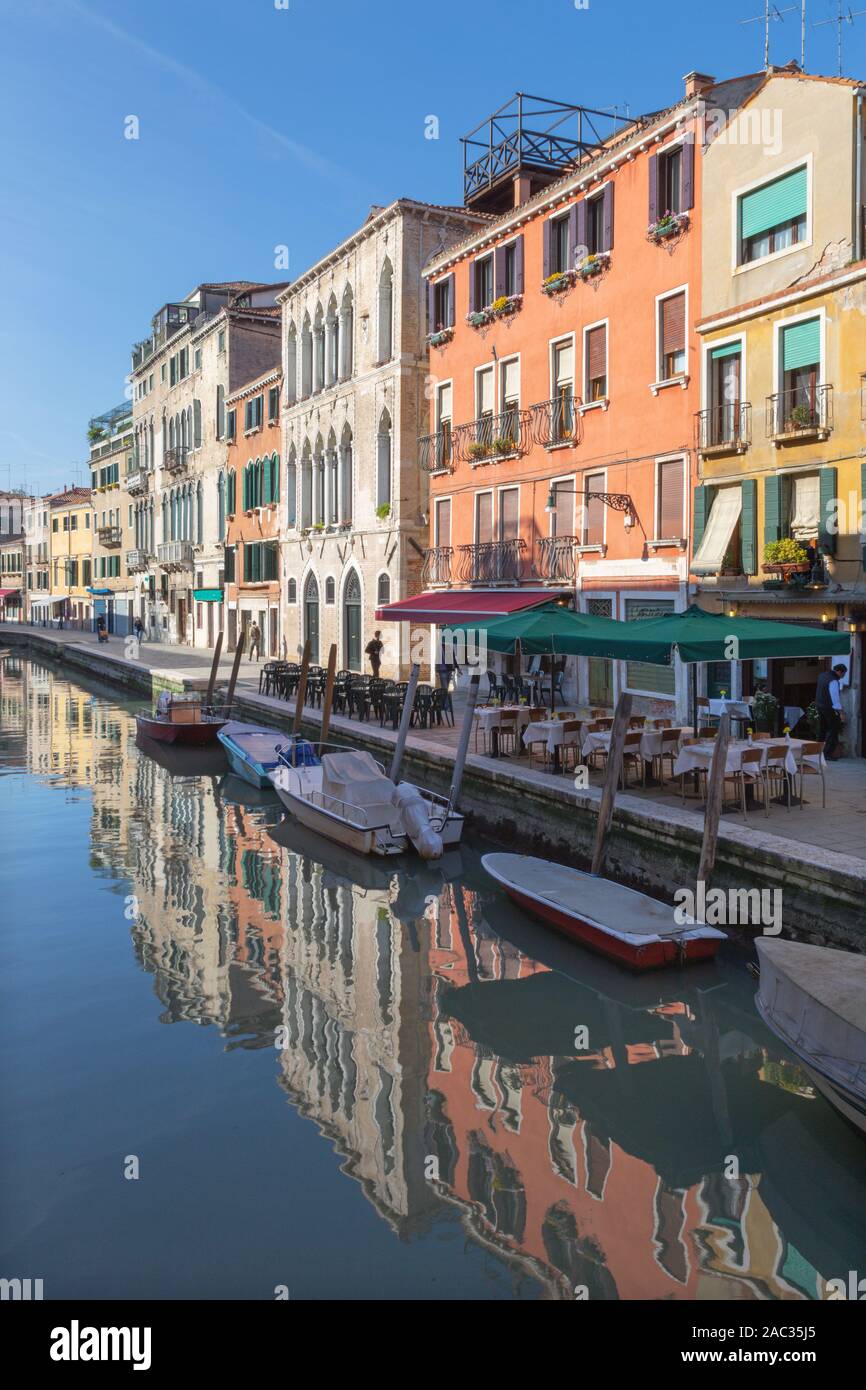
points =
(191, 735)
(361, 839)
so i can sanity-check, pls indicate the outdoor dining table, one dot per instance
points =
(490, 720)
(552, 732)
(650, 743)
(742, 710)
(700, 755)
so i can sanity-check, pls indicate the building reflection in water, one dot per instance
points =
(668, 1151)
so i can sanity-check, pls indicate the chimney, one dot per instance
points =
(697, 83)
(522, 189)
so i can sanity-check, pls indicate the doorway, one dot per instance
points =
(600, 668)
(311, 617)
(352, 622)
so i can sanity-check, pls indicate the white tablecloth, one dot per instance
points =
(552, 732)
(743, 709)
(491, 718)
(696, 755)
(650, 742)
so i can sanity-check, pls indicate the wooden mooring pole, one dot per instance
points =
(611, 779)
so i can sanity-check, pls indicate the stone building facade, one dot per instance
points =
(110, 461)
(355, 363)
(252, 503)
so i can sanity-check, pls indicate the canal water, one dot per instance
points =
(238, 1061)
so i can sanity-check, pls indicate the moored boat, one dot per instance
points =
(181, 719)
(814, 1000)
(618, 922)
(252, 751)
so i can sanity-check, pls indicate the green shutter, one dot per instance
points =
(829, 495)
(772, 509)
(275, 479)
(729, 350)
(701, 511)
(749, 527)
(802, 345)
(780, 201)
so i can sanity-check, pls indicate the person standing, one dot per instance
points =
(828, 702)
(374, 652)
(255, 641)
(138, 629)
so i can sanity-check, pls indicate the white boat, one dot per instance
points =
(346, 797)
(814, 999)
(252, 750)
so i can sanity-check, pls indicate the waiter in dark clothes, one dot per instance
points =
(828, 702)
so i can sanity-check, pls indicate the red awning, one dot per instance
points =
(7, 593)
(444, 606)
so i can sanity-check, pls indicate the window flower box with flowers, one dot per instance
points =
(670, 224)
(559, 282)
(440, 337)
(594, 264)
(501, 308)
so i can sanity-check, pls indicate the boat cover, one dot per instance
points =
(254, 743)
(816, 997)
(355, 779)
(620, 911)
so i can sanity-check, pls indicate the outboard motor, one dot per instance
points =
(416, 821)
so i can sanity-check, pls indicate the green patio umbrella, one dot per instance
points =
(550, 631)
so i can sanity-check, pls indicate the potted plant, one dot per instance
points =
(801, 417)
(319, 526)
(504, 445)
(785, 557)
(506, 304)
(670, 224)
(440, 337)
(477, 450)
(765, 708)
(813, 719)
(558, 282)
(593, 265)
(383, 511)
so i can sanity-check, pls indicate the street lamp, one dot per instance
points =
(617, 501)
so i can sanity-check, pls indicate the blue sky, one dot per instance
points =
(262, 126)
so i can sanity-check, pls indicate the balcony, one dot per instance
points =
(436, 451)
(111, 537)
(557, 423)
(491, 562)
(802, 414)
(175, 555)
(725, 429)
(175, 460)
(436, 568)
(137, 560)
(493, 437)
(556, 561)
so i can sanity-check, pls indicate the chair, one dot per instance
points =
(570, 751)
(699, 772)
(662, 723)
(776, 774)
(637, 721)
(601, 753)
(670, 749)
(423, 705)
(554, 686)
(442, 706)
(631, 754)
(751, 771)
(812, 769)
(598, 713)
(508, 731)
(537, 716)
(605, 723)
(708, 730)
(496, 689)
(564, 714)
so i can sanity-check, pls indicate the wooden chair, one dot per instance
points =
(570, 752)
(751, 771)
(598, 713)
(699, 772)
(599, 754)
(816, 769)
(662, 723)
(637, 721)
(776, 775)
(565, 714)
(631, 754)
(707, 730)
(605, 723)
(508, 731)
(670, 749)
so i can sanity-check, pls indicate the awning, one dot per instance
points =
(48, 600)
(724, 515)
(445, 606)
(101, 593)
(7, 593)
(208, 595)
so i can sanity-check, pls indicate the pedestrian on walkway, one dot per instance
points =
(828, 702)
(255, 641)
(374, 652)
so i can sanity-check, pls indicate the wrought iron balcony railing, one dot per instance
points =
(175, 555)
(492, 437)
(491, 562)
(135, 480)
(137, 560)
(725, 428)
(436, 568)
(175, 460)
(556, 562)
(436, 451)
(801, 412)
(110, 536)
(557, 422)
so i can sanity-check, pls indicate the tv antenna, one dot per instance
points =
(771, 12)
(844, 15)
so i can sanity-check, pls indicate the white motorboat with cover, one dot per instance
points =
(814, 999)
(347, 797)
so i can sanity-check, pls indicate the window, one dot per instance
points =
(562, 414)
(443, 425)
(562, 517)
(292, 591)
(383, 590)
(773, 217)
(509, 392)
(386, 310)
(196, 424)
(510, 281)
(197, 360)
(593, 509)
(672, 336)
(442, 305)
(559, 246)
(595, 225)
(484, 405)
(801, 370)
(482, 270)
(221, 340)
(383, 461)
(725, 390)
(640, 675)
(483, 518)
(273, 404)
(253, 413)
(292, 366)
(66, 522)
(509, 514)
(231, 424)
(220, 412)
(670, 180)
(595, 354)
(330, 590)
(54, 523)
(73, 524)
(183, 364)
(442, 522)
(669, 499)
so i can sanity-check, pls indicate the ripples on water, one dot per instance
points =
(407, 1110)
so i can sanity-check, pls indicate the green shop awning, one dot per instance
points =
(208, 595)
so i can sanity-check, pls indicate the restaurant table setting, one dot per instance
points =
(700, 754)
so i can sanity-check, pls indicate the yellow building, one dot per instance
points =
(111, 459)
(70, 558)
(778, 527)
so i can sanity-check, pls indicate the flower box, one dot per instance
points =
(477, 318)
(558, 283)
(594, 265)
(440, 337)
(670, 224)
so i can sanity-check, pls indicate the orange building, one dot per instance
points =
(565, 378)
(250, 503)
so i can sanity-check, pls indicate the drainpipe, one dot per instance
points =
(858, 176)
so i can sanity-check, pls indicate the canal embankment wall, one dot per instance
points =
(650, 846)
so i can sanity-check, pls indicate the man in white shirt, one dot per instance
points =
(828, 702)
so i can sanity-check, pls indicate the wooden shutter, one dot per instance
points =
(607, 219)
(772, 509)
(749, 526)
(688, 184)
(593, 511)
(498, 272)
(580, 227)
(509, 519)
(443, 522)
(673, 325)
(450, 296)
(547, 234)
(484, 518)
(596, 352)
(431, 307)
(829, 495)
(670, 500)
(572, 235)
(472, 287)
(518, 265)
(700, 512)
(653, 166)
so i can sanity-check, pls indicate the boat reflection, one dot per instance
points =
(599, 1134)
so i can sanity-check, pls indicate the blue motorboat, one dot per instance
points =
(252, 750)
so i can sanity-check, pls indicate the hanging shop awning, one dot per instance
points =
(101, 593)
(724, 515)
(48, 600)
(446, 606)
(7, 593)
(208, 595)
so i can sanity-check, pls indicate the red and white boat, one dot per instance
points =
(181, 719)
(621, 923)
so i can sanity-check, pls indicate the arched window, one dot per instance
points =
(347, 333)
(331, 463)
(199, 514)
(346, 481)
(311, 616)
(306, 485)
(220, 412)
(221, 507)
(273, 492)
(292, 365)
(171, 433)
(386, 312)
(331, 343)
(319, 482)
(292, 489)
(292, 591)
(306, 357)
(383, 461)
(330, 589)
(352, 622)
(318, 349)
(232, 492)
(166, 532)
(196, 424)
(383, 594)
